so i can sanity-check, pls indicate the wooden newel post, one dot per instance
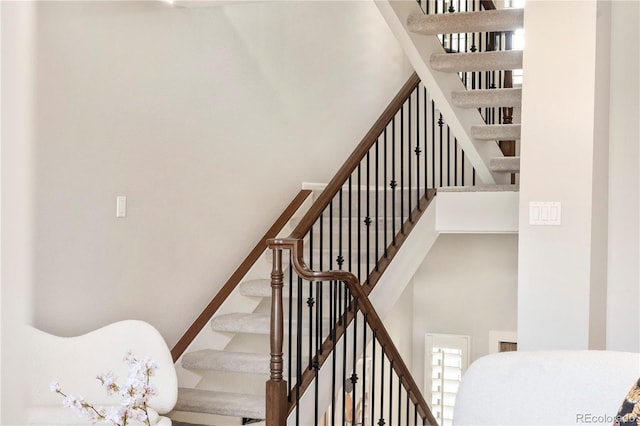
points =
(276, 410)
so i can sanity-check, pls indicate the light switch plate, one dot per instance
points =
(545, 213)
(121, 206)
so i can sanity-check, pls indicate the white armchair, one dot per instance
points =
(546, 388)
(76, 361)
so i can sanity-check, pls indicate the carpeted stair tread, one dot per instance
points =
(499, 132)
(262, 288)
(487, 98)
(477, 61)
(221, 403)
(238, 362)
(466, 22)
(505, 164)
(255, 323)
(481, 188)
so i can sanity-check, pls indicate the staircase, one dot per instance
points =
(475, 104)
(226, 364)
(229, 388)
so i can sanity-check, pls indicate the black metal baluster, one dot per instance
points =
(316, 363)
(310, 301)
(409, 158)
(455, 161)
(333, 318)
(372, 399)
(290, 337)
(440, 123)
(377, 173)
(399, 400)
(381, 422)
(358, 221)
(390, 391)
(350, 215)
(433, 144)
(426, 152)
(393, 183)
(299, 350)
(364, 368)
(354, 376)
(344, 355)
(448, 156)
(367, 219)
(417, 151)
(384, 180)
(402, 169)
(340, 258)
(464, 165)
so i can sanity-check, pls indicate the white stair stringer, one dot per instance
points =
(383, 297)
(440, 85)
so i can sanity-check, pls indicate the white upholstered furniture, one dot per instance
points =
(75, 362)
(546, 388)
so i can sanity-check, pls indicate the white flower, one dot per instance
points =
(54, 386)
(108, 380)
(135, 394)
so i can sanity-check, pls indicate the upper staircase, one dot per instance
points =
(305, 308)
(466, 62)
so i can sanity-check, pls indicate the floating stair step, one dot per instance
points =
(255, 323)
(487, 98)
(477, 61)
(481, 188)
(237, 362)
(221, 403)
(466, 22)
(505, 164)
(496, 132)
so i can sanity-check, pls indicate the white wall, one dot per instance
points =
(562, 269)
(579, 285)
(623, 296)
(467, 285)
(189, 113)
(17, 38)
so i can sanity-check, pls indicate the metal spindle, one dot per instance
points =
(372, 416)
(381, 422)
(433, 144)
(440, 123)
(402, 169)
(359, 219)
(349, 248)
(384, 180)
(393, 184)
(390, 391)
(409, 158)
(367, 220)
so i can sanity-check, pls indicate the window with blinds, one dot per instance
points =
(447, 358)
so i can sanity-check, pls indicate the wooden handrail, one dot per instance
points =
(237, 276)
(358, 154)
(360, 292)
